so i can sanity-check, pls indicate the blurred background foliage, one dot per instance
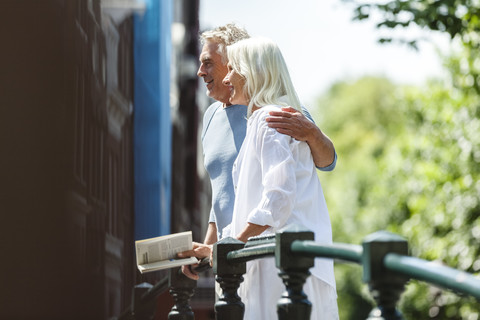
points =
(409, 161)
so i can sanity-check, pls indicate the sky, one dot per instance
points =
(322, 45)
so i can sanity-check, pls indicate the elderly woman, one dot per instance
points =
(275, 180)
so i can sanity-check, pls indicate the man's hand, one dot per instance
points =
(292, 122)
(200, 251)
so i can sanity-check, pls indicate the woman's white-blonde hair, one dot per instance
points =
(260, 61)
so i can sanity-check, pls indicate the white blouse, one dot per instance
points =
(276, 184)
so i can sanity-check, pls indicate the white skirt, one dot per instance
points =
(262, 288)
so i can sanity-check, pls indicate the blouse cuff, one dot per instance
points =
(262, 218)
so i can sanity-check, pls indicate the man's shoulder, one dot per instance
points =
(208, 115)
(215, 105)
(232, 112)
(307, 114)
(211, 110)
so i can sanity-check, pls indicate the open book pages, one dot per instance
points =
(160, 252)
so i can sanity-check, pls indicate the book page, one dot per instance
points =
(162, 248)
(165, 264)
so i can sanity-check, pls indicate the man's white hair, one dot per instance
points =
(224, 36)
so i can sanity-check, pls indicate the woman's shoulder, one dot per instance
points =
(259, 116)
(271, 107)
(264, 111)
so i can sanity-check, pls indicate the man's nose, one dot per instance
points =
(201, 72)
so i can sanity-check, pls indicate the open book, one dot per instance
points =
(160, 252)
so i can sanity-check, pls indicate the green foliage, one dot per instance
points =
(362, 118)
(458, 18)
(409, 162)
(351, 293)
(465, 70)
(434, 191)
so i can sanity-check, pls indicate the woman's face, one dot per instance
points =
(236, 83)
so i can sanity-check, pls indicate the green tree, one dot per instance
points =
(362, 118)
(431, 178)
(460, 19)
(409, 162)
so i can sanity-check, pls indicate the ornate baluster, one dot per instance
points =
(142, 310)
(182, 289)
(385, 286)
(229, 276)
(294, 303)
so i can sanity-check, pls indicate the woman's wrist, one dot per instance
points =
(251, 230)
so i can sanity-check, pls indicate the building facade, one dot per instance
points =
(75, 172)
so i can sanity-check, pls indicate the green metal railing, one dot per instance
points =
(144, 300)
(339, 251)
(383, 256)
(434, 273)
(255, 248)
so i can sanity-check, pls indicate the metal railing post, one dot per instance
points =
(182, 289)
(385, 286)
(140, 310)
(294, 272)
(229, 276)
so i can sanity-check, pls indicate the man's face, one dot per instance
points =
(212, 70)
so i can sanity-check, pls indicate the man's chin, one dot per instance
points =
(221, 99)
(210, 94)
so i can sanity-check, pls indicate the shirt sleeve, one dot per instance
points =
(211, 218)
(278, 177)
(331, 166)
